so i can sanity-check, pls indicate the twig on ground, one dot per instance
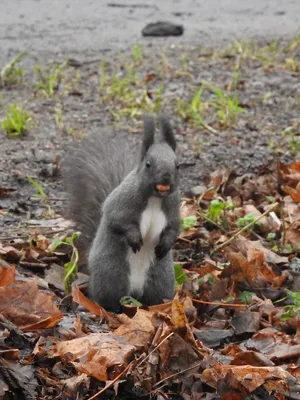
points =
(215, 303)
(111, 383)
(177, 373)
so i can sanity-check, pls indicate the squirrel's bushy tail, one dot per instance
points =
(91, 171)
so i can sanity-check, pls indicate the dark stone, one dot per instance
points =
(162, 28)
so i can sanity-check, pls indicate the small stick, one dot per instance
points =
(126, 369)
(215, 303)
(155, 348)
(111, 382)
(176, 373)
(272, 207)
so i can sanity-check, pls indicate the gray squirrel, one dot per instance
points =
(128, 212)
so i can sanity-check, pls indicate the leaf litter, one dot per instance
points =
(231, 332)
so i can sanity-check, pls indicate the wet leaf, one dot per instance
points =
(27, 307)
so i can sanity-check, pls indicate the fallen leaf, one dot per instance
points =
(278, 346)
(138, 330)
(79, 298)
(249, 377)
(7, 275)
(100, 355)
(243, 245)
(294, 193)
(251, 358)
(293, 235)
(27, 307)
(213, 337)
(20, 379)
(246, 322)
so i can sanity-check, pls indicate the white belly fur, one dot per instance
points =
(152, 223)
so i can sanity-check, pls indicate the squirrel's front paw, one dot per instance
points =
(161, 250)
(135, 240)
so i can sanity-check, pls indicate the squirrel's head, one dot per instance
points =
(158, 164)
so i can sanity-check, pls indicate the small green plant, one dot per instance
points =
(194, 110)
(292, 310)
(12, 73)
(59, 117)
(292, 64)
(293, 44)
(226, 105)
(130, 301)
(137, 53)
(246, 297)
(40, 191)
(17, 120)
(242, 48)
(215, 209)
(293, 143)
(188, 222)
(180, 275)
(49, 83)
(266, 55)
(71, 267)
(247, 219)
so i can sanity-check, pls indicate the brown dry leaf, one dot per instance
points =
(138, 330)
(240, 269)
(75, 385)
(293, 235)
(27, 307)
(218, 178)
(257, 258)
(246, 321)
(249, 377)
(251, 358)
(178, 315)
(10, 253)
(78, 327)
(243, 245)
(188, 208)
(276, 345)
(177, 355)
(79, 298)
(265, 223)
(162, 308)
(294, 193)
(290, 174)
(294, 370)
(7, 275)
(101, 355)
(291, 210)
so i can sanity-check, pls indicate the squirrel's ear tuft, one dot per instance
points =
(149, 130)
(167, 131)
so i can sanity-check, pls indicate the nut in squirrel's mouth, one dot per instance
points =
(163, 188)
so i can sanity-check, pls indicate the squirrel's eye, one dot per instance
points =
(148, 164)
(177, 165)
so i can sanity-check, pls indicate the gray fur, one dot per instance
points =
(108, 208)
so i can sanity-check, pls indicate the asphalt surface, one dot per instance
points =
(84, 29)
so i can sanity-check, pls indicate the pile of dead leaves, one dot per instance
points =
(231, 332)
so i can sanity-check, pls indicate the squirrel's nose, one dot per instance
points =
(166, 178)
